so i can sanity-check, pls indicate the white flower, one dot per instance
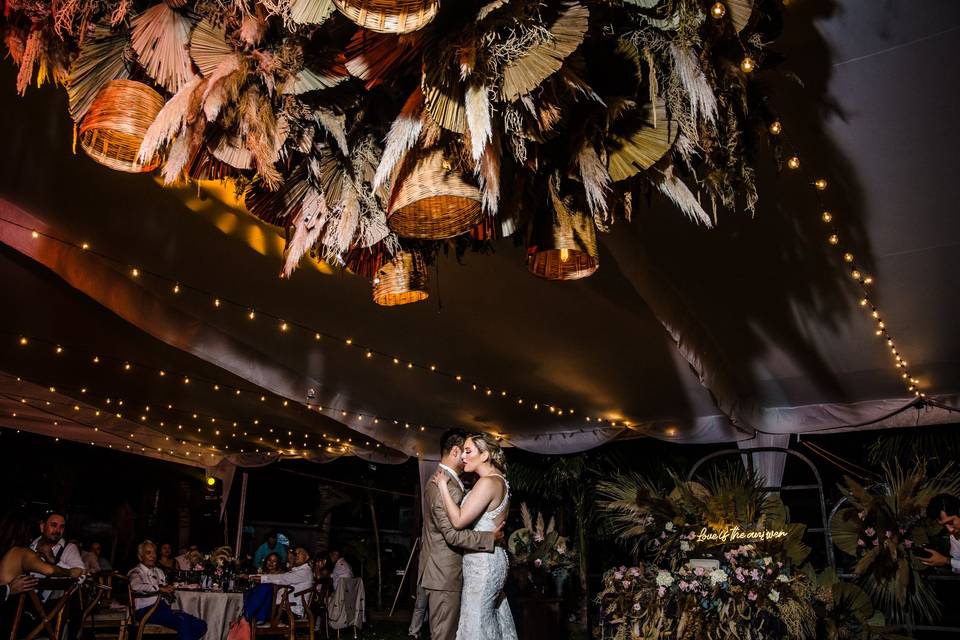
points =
(717, 576)
(767, 560)
(684, 545)
(774, 595)
(664, 579)
(668, 526)
(783, 578)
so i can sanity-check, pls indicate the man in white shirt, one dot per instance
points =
(63, 554)
(148, 583)
(946, 510)
(300, 577)
(341, 568)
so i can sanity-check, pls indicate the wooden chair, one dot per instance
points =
(281, 621)
(51, 621)
(100, 615)
(309, 620)
(319, 606)
(347, 606)
(134, 628)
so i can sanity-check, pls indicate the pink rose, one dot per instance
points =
(617, 575)
(698, 571)
(769, 572)
(636, 606)
(908, 543)
(869, 531)
(752, 596)
(876, 542)
(537, 563)
(626, 584)
(755, 574)
(902, 531)
(661, 591)
(861, 542)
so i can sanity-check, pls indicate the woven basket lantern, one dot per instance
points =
(389, 16)
(116, 122)
(432, 201)
(565, 247)
(401, 281)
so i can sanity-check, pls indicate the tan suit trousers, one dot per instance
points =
(444, 609)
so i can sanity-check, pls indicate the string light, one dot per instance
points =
(747, 65)
(177, 285)
(718, 10)
(881, 331)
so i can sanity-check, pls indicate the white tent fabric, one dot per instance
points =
(748, 331)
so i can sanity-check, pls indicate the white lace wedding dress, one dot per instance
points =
(484, 611)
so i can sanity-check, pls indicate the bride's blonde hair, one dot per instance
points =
(485, 443)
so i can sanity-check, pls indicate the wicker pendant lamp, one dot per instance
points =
(389, 16)
(564, 246)
(433, 201)
(115, 124)
(401, 281)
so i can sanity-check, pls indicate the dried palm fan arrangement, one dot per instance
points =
(366, 129)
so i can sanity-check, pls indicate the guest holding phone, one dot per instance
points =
(945, 509)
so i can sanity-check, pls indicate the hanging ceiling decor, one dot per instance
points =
(373, 128)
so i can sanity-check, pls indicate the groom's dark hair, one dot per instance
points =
(450, 439)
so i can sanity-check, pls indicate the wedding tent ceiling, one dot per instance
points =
(684, 333)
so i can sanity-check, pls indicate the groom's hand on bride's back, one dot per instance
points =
(498, 535)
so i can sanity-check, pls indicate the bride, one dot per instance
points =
(484, 611)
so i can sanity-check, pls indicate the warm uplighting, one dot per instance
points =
(564, 255)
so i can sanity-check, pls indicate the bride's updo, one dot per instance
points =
(485, 443)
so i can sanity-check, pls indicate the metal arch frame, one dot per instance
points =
(818, 487)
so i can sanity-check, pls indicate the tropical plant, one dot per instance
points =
(539, 544)
(880, 527)
(936, 445)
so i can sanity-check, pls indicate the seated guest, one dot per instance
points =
(91, 557)
(945, 509)
(300, 577)
(148, 583)
(272, 564)
(271, 545)
(166, 560)
(341, 568)
(190, 557)
(61, 553)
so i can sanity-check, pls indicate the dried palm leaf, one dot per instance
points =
(523, 75)
(253, 26)
(444, 98)
(373, 57)
(643, 4)
(490, 7)
(209, 47)
(230, 150)
(311, 11)
(323, 75)
(204, 166)
(281, 207)
(635, 144)
(308, 225)
(675, 189)
(100, 60)
(160, 36)
(740, 12)
(488, 174)
(403, 135)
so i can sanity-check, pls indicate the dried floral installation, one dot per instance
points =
(325, 112)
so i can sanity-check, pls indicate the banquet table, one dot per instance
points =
(217, 608)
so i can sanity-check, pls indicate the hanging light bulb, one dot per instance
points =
(718, 10)
(826, 216)
(747, 65)
(833, 239)
(820, 184)
(776, 128)
(793, 162)
(564, 255)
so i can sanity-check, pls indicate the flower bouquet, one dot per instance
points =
(541, 547)
(882, 526)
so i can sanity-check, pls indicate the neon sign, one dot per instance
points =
(736, 534)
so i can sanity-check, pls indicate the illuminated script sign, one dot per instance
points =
(728, 535)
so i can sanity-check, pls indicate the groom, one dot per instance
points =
(441, 555)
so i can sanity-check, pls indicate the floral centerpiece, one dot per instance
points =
(650, 602)
(541, 547)
(883, 526)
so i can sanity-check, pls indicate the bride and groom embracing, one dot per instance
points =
(462, 566)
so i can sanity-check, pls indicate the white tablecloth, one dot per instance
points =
(217, 609)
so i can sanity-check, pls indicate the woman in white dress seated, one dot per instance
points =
(484, 611)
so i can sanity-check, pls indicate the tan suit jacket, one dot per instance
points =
(441, 555)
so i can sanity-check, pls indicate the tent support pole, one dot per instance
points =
(243, 508)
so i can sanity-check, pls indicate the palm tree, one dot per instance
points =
(568, 480)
